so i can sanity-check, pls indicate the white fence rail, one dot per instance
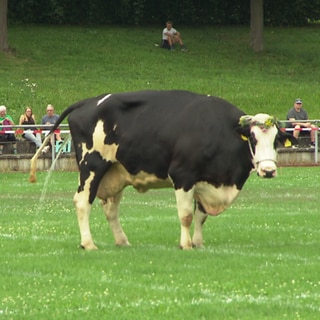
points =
(64, 129)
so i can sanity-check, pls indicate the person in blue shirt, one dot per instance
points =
(48, 120)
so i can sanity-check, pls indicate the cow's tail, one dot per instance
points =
(65, 113)
(33, 164)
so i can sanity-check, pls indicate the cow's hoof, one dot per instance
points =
(123, 244)
(185, 247)
(197, 245)
(88, 247)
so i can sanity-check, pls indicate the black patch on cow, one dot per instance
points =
(201, 208)
(92, 162)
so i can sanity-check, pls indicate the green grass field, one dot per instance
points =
(261, 257)
(260, 261)
(61, 65)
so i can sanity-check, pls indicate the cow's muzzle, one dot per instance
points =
(266, 168)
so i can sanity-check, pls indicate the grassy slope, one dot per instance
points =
(65, 64)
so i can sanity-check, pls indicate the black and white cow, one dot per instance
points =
(202, 146)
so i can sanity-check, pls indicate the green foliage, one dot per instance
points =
(260, 261)
(61, 65)
(142, 12)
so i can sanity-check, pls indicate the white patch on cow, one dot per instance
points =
(265, 155)
(98, 138)
(185, 211)
(107, 151)
(83, 209)
(103, 99)
(215, 200)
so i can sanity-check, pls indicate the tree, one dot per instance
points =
(3, 25)
(256, 25)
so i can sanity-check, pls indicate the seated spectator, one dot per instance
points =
(6, 120)
(170, 36)
(28, 118)
(297, 113)
(50, 119)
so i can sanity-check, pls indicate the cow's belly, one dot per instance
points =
(215, 200)
(117, 178)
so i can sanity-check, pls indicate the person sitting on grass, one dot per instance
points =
(170, 36)
(6, 120)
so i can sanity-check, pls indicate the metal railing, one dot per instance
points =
(42, 129)
(64, 129)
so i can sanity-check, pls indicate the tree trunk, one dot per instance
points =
(3, 25)
(256, 25)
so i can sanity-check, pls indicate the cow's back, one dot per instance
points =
(161, 132)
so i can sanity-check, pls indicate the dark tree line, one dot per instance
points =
(146, 12)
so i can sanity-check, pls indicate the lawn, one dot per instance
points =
(261, 257)
(61, 65)
(260, 261)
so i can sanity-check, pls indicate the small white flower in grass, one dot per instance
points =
(106, 292)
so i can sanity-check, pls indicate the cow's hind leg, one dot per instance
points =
(185, 211)
(199, 219)
(111, 210)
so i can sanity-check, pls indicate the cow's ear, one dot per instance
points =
(243, 129)
(244, 132)
(245, 121)
(286, 139)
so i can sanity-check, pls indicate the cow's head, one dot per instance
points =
(263, 135)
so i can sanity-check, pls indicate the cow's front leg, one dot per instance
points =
(199, 219)
(83, 208)
(111, 210)
(185, 211)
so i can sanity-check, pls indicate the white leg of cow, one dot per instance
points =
(199, 220)
(185, 211)
(83, 208)
(111, 210)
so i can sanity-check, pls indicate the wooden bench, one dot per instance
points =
(23, 146)
(27, 147)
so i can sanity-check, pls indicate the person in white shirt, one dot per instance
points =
(170, 36)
